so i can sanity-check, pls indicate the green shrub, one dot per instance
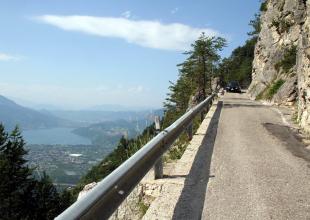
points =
(288, 61)
(270, 90)
(285, 25)
(263, 6)
(273, 89)
(276, 23)
(176, 152)
(281, 25)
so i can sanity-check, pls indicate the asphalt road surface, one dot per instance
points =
(259, 168)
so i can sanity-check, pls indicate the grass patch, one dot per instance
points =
(295, 117)
(260, 96)
(288, 61)
(271, 90)
(178, 148)
(143, 207)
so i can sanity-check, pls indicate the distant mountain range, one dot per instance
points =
(110, 132)
(91, 117)
(12, 114)
(103, 107)
(119, 108)
(107, 127)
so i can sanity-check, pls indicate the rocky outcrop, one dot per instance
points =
(137, 202)
(282, 53)
(287, 93)
(279, 31)
(86, 189)
(303, 70)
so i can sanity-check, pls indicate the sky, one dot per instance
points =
(75, 54)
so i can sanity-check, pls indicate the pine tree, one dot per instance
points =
(22, 196)
(195, 76)
(256, 25)
(16, 183)
(46, 198)
(203, 58)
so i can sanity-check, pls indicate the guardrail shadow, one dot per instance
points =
(191, 201)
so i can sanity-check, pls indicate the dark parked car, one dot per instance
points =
(233, 87)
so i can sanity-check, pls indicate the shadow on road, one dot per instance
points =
(174, 176)
(290, 138)
(191, 201)
(229, 105)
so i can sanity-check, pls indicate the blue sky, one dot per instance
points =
(75, 54)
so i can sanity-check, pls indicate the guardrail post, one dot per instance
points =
(208, 107)
(190, 131)
(210, 104)
(159, 169)
(202, 115)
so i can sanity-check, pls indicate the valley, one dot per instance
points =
(65, 164)
(66, 144)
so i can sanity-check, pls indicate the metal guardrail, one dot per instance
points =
(104, 199)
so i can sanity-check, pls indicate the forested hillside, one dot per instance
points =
(238, 66)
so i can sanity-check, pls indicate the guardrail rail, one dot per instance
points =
(108, 194)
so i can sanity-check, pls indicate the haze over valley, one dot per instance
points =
(67, 143)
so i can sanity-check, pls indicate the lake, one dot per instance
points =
(54, 136)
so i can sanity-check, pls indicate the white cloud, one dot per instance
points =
(174, 11)
(126, 14)
(136, 89)
(7, 57)
(152, 34)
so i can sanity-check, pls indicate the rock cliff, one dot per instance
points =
(303, 70)
(282, 53)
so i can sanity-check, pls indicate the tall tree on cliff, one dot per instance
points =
(195, 76)
(202, 59)
(256, 26)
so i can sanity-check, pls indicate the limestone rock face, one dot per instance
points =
(303, 70)
(284, 25)
(140, 198)
(287, 94)
(86, 189)
(280, 30)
